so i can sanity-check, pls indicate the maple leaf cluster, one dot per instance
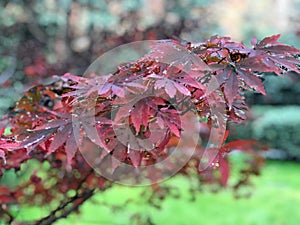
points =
(133, 117)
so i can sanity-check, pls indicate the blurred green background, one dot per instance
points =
(39, 38)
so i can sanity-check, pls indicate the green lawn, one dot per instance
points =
(275, 200)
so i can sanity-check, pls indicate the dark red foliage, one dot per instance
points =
(51, 121)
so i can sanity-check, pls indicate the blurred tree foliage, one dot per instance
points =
(40, 38)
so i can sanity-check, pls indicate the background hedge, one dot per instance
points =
(276, 126)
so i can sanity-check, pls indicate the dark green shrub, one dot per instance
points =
(277, 127)
(281, 90)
